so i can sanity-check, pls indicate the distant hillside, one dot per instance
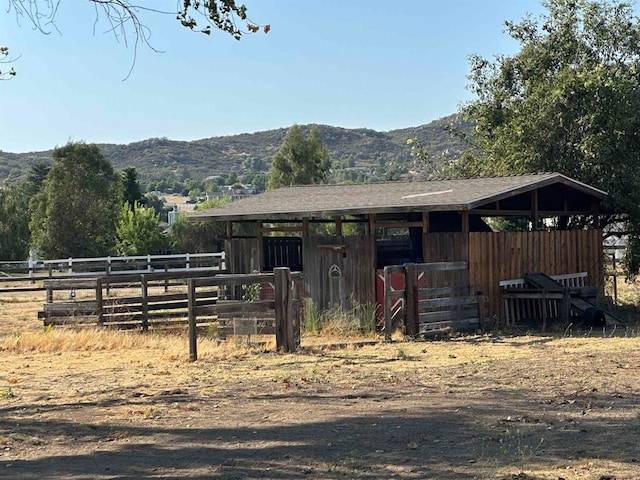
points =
(160, 158)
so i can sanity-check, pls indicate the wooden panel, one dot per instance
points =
(445, 247)
(243, 255)
(501, 256)
(354, 256)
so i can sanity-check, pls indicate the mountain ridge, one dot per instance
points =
(162, 158)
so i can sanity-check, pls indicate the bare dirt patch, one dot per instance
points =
(114, 406)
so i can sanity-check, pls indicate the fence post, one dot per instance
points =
(108, 272)
(191, 296)
(166, 280)
(49, 289)
(70, 266)
(287, 330)
(99, 311)
(145, 302)
(31, 266)
(412, 317)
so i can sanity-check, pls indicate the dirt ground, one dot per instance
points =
(486, 407)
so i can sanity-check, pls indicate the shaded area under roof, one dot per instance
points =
(391, 197)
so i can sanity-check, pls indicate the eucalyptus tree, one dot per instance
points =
(300, 160)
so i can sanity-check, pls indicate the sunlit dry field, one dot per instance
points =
(108, 405)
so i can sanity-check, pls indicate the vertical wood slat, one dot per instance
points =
(412, 315)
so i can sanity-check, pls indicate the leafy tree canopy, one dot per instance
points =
(14, 223)
(74, 215)
(568, 101)
(299, 160)
(138, 231)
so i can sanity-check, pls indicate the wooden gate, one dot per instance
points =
(436, 297)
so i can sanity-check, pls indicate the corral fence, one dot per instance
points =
(435, 297)
(157, 301)
(35, 271)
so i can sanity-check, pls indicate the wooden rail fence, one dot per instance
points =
(33, 271)
(202, 305)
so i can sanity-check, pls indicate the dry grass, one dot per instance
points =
(73, 403)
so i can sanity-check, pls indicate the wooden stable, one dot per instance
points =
(342, 236)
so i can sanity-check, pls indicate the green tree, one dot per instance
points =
(299, 160)
(568, 101)
(131, 187)
(138, 231)
(189, 236)
(14, 223)
(75, 213)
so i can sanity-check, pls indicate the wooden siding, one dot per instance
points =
(243, 255)
(494, 257)
(354, 256)
(445, 247)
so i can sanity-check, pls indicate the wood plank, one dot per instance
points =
(442, 266)
(447, 302)
(453, 324)
(438, 292)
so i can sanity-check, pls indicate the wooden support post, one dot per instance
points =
(372, 224)
(144, 285)
(193, 342)
(305, 227)
(99, 305)
(388, 320)
(287, 327)
(425, 236)
(338, 221)
(412, 317)
(534, 211)
(465, 221)
(260, 236)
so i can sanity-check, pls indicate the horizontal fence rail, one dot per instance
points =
(73, 267)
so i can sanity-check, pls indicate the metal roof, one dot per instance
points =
(356, 199)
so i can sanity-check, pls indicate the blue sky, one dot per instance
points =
(349, 63)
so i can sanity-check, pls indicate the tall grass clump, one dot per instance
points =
(358, 320)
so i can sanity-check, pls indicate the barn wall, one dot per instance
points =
(445, 247)
(492, 257)
(501, 256)
(354, 256)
